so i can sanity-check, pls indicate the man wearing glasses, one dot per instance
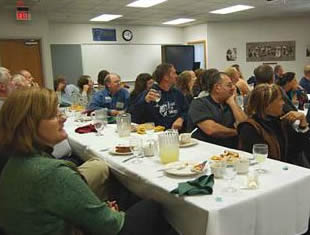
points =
(217, 115)
(112, 97)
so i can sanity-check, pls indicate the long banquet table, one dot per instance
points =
(280, 206)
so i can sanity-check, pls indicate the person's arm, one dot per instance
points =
(66, 195)
(215, 129)
(97, 102)
(178, 123)
(239, 115)
(248, 136)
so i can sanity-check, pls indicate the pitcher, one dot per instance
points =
(123, 122)
(168, 146)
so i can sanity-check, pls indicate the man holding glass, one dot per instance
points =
(216, 115)
(163, 103)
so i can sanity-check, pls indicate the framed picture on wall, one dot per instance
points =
(271, 51)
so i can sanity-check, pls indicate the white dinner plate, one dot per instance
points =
(182, 168)
(113, 152)
(193, 142)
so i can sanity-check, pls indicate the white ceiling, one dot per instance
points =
(80, 11)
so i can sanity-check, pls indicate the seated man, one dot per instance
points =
(168, 109)
(29, 77)
(113, 97)
(305, 81)
(216, 115)
(6, 85)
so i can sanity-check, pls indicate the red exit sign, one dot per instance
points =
(23, 13)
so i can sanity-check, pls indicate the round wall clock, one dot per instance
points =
(127, 35)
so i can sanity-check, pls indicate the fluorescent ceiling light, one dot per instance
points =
(179, 21)
(145, 3)
(232, 9)
(105, 17)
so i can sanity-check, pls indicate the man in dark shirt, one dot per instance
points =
(305, 81)
(171, 110)
(216, 115)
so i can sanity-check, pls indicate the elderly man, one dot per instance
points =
(19, 81)
(217, 115)
(29, 77)
(163, 103)
(6, 86)
(305, 81)
(113, 97)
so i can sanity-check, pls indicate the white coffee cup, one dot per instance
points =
(242, 165)
(185, 138)
(218, 169)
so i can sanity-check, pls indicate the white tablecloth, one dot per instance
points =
(280, 206)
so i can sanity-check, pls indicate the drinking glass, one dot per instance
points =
(306, 107)
(260, 153)
(230, 174)
(149, 127)
(135, 144)
(99, 126)
(158, 97)
(296, 104)
(240, 101)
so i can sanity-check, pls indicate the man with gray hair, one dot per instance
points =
(6, 85)
(305, 81)
(112, 97)
(217, 114)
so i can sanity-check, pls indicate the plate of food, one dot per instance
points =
(191, 142)
(185, 168)
(141, 129)
(227, 155)
(120, 150)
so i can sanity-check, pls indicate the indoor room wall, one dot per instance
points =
(222, 36)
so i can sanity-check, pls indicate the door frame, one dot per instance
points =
(39, 39)
(204, 42)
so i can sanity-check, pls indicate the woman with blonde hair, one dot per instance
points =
(286, 138)
(42, 195)
(185, 84)
(242, 86)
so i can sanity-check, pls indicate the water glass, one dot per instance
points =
(135, 144)
(306, 107)
(230, 174)
(240, 101)
(99, 126)
(260, 153)
(149, 127)
(158, 92)
(123, 123)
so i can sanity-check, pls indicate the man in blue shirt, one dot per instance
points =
(112, 97)
(305, 81)
(168, 109)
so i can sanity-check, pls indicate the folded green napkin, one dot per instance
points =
(111, 120)
(201, 185)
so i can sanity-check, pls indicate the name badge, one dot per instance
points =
(107, 99)
(119, 105)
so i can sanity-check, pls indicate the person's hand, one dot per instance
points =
(113, 205)
(61, 87)
(85, 87)
(292, 116)
(177, 124)
(231, 100)
(152, 95)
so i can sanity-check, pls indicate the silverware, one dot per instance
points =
(128, 159)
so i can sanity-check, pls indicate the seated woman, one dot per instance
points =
(85, 84)
(294, 95)
(144, 81)
(185, 84)
(42, 195)
(241, 84)
(286, 138)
